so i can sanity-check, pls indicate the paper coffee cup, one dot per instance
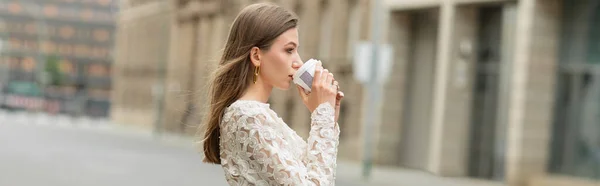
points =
(305, 74)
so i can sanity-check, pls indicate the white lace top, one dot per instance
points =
(258, 148)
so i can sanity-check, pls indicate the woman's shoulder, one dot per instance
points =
(248, 113)
(248, 108)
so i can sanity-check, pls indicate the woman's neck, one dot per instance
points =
(258, 91)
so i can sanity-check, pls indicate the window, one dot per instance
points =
(97, 70)
(33, 9)
(28, 64)
(51, 30)
(104, 2)
(67, 67)
(4, 62)
(68, 90)
(87, 14)
(576, 131)
(30, 28)
(30, 45)
(15, 8)
(104, 16)
(50, 47)
(84, 33)
(82, 50)
(2, 25)
(101, 35)
(15, 43)
(13, 62)
(67, 32)
(68, 13)
(50, 10)
(15, 27)
(99, 93)
(100, 52)
(3, 6)
(65, 49)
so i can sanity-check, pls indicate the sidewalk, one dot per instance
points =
(349, 172)
(393, 176)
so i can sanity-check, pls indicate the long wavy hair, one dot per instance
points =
(257, 25)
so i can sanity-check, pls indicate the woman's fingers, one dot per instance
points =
(336, 85)
(317, 79)
(302, 93)
(328, 78)
(340, 95)
(330, 83)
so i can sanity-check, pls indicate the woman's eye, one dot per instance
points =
(289, 50)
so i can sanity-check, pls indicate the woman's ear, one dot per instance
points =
(255, 56)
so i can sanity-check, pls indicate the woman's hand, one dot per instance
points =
(324, 90)
(338, 102)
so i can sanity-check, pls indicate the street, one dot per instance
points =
(52, 154)
(49, 155)
(39, 149)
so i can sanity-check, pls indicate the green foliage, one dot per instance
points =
(52, 68)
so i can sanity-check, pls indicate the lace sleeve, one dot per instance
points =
(264, 156)
(323, 143)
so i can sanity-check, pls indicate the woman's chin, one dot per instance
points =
(284, 86)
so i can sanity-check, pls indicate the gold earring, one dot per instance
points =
(256, 71)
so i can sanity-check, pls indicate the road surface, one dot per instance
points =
(80, 154)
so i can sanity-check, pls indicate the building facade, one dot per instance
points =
(502, 90)
(141, 56)
(74, 36)
(499, 90)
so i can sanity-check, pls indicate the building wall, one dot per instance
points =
(533, 96)
(389, 150)
(527, 111)
(459, 92)
(141, 56)
(199, 33)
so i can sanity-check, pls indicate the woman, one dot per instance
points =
(253, 145)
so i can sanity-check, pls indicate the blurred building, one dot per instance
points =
(489, 89)
(142, 51)
(73, 36)
(500, 90)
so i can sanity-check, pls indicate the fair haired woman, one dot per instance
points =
(252, 144)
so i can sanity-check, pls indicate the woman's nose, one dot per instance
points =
(296, 65)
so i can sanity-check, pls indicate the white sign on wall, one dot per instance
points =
(362, 62)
